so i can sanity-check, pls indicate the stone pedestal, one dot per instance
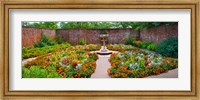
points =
(104, 50)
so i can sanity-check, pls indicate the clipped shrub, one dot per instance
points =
(145, 44)
(168, 47)
(129, 40)
(82, 41)
(152, 46)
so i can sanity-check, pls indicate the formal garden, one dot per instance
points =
(67, 55)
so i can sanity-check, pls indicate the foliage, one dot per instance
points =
(45, 41)
(37, 72)
(59, 39)
(90, 47)
(144, 25)
(119, 47)
(51, 25)
(93, 56)
(53, 75)
(25, 73)
(104, 32)
(33, 52)
(34, 71)
(137, 43)
(168, 47)
(96, 25)
(152, 47)
(82, 41)
(145, 44)
(129, 40)
(86, 25)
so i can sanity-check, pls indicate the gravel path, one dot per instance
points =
(170, 74)
(102, 65)
(27, 60)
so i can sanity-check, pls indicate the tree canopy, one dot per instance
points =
(95, 25)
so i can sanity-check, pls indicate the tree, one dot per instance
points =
(95, 25)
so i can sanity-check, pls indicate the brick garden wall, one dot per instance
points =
(32, 35)
(92, 35)
(158, 34)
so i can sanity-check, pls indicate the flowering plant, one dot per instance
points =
(74, 62)
(137, 63)
(119, 47)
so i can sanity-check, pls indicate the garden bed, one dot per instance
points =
(74, 62)
(133, 62)
(31, 52)
(80, 62)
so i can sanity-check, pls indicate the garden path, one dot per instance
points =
(102, 65)
(170, 74)
(27, 60)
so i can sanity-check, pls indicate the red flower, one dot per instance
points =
(64, 61)
(68, 60)
(74, 63)
(146, 63)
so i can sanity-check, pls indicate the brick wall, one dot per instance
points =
(158, 34)
(92, 35)
(32, 35)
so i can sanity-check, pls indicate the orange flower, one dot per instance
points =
(79, 76)
(88, 53)
(59, 71)
(84, 68)
(123, 69)
(63, 74)
(130, 71)
(113, 65)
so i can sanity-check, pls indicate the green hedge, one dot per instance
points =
(168, 47)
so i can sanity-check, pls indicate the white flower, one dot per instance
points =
(131, 66)
(68, 67)
(78, 66)
(122, 63)
(129, 52)
(120, 55)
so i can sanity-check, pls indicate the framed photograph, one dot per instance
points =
(100, 49)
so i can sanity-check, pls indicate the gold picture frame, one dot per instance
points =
(193, 5)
